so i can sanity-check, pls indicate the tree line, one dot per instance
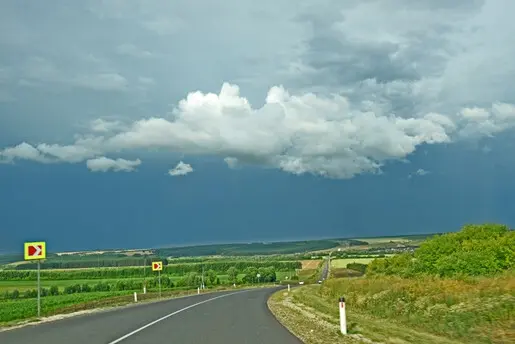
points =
(174, 269)
(91, 262)
(476, 250)
(252, 275)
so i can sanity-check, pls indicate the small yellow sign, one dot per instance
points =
(35, 250)
(157, 266)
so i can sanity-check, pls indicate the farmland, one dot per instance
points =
(80, 280)
(342, 263)
(62, 288)
(310, 264)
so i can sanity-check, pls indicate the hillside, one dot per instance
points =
(455, 288)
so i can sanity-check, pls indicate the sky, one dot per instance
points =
(151, 123)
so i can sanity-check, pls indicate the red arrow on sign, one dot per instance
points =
(35, 250)
(156, 266)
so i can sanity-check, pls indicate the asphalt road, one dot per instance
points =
(325, 270)
(215, 318)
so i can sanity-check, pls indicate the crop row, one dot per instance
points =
(175, 269)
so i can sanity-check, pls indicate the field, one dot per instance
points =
(411, 239)
(71, 289)
(61, 284)
(310, 264)
(342, 263)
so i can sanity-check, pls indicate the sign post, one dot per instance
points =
(36, 251)
(158, 266)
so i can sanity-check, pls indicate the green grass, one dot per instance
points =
(385, 240)
(421, 310)
(25, 308)
(342, 263)
(61, 284)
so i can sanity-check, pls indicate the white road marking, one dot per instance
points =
(172, 314)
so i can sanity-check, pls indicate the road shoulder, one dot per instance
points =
(315, 322)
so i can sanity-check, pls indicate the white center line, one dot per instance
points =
(172, 314)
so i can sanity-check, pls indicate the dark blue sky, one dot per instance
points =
(147, 123)
(72, 208)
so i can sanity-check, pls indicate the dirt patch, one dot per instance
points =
(310, 264)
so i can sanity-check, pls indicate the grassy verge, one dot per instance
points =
(15, 312)
(396, 310)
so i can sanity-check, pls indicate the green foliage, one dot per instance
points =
(25, 308)
(93, 261)
(266, 274)
(358, 267)
(476, 250)
(131, 272)
(476, 310)
(232, 272)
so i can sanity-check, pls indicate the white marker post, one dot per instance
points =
(144, 290)
(288, 287)
(343, 319)
(198, 290)
(135, 297)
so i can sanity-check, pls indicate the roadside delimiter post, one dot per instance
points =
(343, 320)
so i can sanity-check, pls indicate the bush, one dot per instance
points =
(476, 250)
(54, 290)
(358, 267)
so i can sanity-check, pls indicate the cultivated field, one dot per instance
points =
(65, 289)
(310, 264)
(342, 263)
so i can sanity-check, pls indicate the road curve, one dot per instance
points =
(215, 318)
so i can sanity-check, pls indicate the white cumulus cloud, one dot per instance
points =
(297, 133)
(181, 169)
(103, 164)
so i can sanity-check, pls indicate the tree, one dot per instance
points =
(211, 276)
(233, 274)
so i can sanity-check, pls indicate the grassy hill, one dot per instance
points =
(455, 288)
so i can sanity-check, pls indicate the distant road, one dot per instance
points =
(215, 318)
(325, 270)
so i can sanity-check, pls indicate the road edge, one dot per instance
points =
(274, 315)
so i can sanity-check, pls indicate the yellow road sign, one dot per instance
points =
(157, 266)
(35, 250)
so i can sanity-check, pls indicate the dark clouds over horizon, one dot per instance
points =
(407, 101)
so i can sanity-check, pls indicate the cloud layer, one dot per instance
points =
(342, 89)
(299, 134)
